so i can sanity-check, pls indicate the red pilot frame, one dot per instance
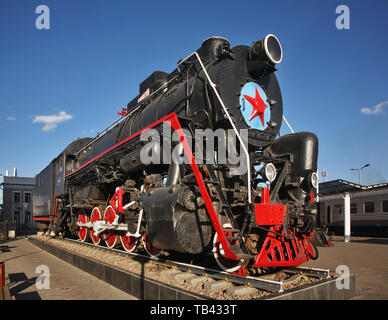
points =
(279, 248)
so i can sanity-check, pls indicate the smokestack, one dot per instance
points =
(6, 173)
(15, 172)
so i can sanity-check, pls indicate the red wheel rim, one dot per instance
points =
(225, 264)
(110, 237)
(129, 243)
(83, 232)
(149, 248)
(95, 216)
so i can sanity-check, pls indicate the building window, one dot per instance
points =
(16, 197)
(385, 206)
(27, 217)
(353, 208)
(27, 197)
(16, 217)
(337, 209)
(369, 207)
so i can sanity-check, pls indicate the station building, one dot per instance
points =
(17, 201)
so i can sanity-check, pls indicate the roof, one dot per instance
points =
(18, 181)
(341, 186)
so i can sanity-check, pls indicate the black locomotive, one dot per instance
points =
(102, 189)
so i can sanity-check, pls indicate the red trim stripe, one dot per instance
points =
(41, 218)
(175, 124)
(171, 115)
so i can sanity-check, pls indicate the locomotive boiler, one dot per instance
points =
(126, 187)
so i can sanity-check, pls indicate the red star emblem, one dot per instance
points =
(258, 106)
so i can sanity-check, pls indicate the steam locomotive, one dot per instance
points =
(253, 213)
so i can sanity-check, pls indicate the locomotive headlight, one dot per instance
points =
(314, 180)
(269, 172)
(268, 49)
(310, 182)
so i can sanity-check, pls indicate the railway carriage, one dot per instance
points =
(368, 207)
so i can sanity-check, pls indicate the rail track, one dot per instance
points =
(203, 280)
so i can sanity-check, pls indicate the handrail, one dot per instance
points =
(212, 84)
(137, 107)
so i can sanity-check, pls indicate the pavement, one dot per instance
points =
(35, 274)
(365, 257)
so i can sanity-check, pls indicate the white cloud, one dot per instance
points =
(378, 108)
(11, 118)
(51, 121)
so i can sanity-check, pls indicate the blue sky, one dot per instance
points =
(91, 60)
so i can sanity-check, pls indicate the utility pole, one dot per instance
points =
(359, 172)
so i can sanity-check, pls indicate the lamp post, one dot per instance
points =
(359, 172)
(324, 174)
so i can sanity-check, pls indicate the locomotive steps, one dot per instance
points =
(155, 279)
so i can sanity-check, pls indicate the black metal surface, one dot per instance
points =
(303, 148)
(43, 192)
(93, 169)
(170, 226)
(229, 73)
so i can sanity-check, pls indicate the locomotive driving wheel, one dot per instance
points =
(95, 216)
(224, 263)
(83, 232)
(111, 238)
(129, 243)
(149, 248)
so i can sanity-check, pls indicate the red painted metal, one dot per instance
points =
(123, 112)
(111, 238)
(258, 106)
(117, 201)
(2, 275)
(55, 205)
(174, 122)
(42, 218)
(95, 216)
(83, 232)
(129, 243)
(265, 196)
(269, 214)
(277, 251)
